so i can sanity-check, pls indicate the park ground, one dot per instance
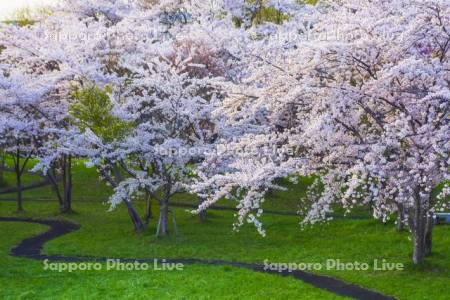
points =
(356, 238)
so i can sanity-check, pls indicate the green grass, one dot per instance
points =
(110, 234)
(25, 279)
(88, 187)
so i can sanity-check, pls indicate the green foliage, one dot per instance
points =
(93, 110)
(265, 14)
(269, 14)
(22, 17)
(27, 16)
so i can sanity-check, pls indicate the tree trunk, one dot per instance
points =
(134, 216)
(202, 215)
(419, 247)
(418, 226)
(400, 224)
(429, 234)
(164, 218)
(2, 168)
(400, 217)
(148, 209)
(67, 184)
(18, 181)
(64, 180)
(53, 178)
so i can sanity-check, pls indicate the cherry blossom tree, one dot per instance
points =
(377, 125)
(30, 84)
(162, 80)
(167, 97)
(39, 64)
(365, 107)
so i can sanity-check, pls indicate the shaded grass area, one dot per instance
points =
(110, 234)
(88, 187)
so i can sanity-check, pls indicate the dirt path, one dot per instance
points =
(31, 248)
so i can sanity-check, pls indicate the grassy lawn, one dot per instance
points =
(25, 279)
(88, 187)
(110, 234)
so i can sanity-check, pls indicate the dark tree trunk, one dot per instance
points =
(418, 219)
(64, 181)
(18, 181)
(163, 224)
(429, 234)
(418, 228)
(53, 178)
(134, 216)
(419, 246)
(19, 192)
(400, 217)
(2, 168)
(202, 215)
(148, 209)
(69, 183)
(66, 165)
(164, 218)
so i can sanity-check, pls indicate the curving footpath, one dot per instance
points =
(31, 248)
